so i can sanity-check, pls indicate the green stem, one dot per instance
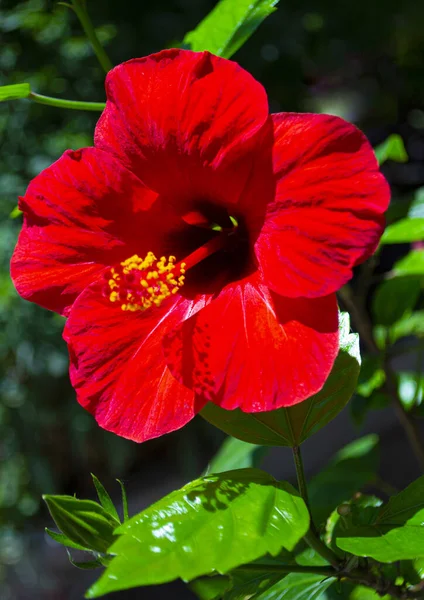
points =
(61, 103)
(312, 538)
(257, 568)
(84, 19)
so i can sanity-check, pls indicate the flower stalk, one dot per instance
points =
(64, 103)
(80, 10)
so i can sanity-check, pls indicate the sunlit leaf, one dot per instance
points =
(214, 523)
(396, 532)
(404, 231)
(14, 92)
(411, 264)
(392, 148)
(229, 25)
(292, 426)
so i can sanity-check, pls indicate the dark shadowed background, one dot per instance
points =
(361, 60)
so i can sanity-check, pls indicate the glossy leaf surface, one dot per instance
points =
(229, 25)
(214, 523)
(292, 426)
(396, 532)
(411, 264)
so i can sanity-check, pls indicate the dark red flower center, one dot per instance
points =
(139, 283)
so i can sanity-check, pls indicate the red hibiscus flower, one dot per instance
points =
(197, 247)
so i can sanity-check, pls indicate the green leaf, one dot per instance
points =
(124, 500)
(15, 213)
(392, 148)
(104, 498)
(404, 231)
(396, 533)
(87, 565)
(292, 426)
(372, 376)
(298, 586)
(361, 405)
(360, 510)
(411, 264)
(227, 27)
(214, 523)
(14, 92)
(84, 522)
(235, 454)
(351, 469)
(394, 298)
(211, 587)
(409, 325)
(411, 388)
(416, 208)
(60, 538)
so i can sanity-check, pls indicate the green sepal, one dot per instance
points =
(84, 522)
(104, 498)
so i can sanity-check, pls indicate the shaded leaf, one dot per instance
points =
(229, 25)
(214, 523)
(87, 565)
(353, 467)
(104, 498)
(394, 298)
(392, 148)
(396, 532)
(124, 500)
(236, 454)
(298, 586)
(292, 426)
(62, 539)
(84, 522)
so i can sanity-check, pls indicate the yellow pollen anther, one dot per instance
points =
(139, 283)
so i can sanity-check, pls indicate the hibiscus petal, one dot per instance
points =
(81, 214)
(327, 215)
(174, 116)
(252, 349)
(118, 369)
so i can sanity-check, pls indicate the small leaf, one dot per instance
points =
(416, 208)
(396, 533)
(411, 264)
(351, 469)
(60, 538)
(411, 388)
(211, 587)
(392, 148)
(412, 324)
(87, 565)
(104, 498)
(404, 231)
(15, 213)
(228, 26)
(292, 426)
(14, 92)
(84, 522)
(212, 524)
(394, 298)
(124, 500)
(235, 454)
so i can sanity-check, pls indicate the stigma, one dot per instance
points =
(140, 283)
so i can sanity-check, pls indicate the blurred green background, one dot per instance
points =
(360, 60)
